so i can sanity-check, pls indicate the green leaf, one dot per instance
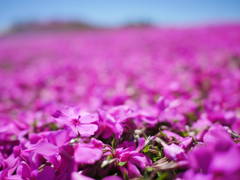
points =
(53, 126)
(146, 148)
(122, 163)
(149, 169)
(175, 120)
(162, 175)
(109, 157)
(114, 143)
(191, 116)
(156, 158)
(35, 123)
(184, 133)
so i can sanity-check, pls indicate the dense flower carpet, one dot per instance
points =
(130, 103)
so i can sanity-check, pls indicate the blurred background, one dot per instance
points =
(19, 15)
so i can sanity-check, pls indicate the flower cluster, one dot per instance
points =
(132, 103)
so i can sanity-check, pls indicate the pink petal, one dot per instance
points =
(133, 171)
(89, 118)
(87, 155)
(46, 149)
(47, 173)
(87, 130)
(77, 176)
(173, 152)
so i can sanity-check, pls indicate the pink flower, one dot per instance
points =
(210, 158)
(80, 122)
(78, 176)
(112, 178)
(131, 160)
(88, 153)
(174, 152)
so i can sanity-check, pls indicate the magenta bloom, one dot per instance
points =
(88, 153)
(133, 102)
(82, 123)
(131, 160)
(210, 158)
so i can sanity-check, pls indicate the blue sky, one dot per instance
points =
(117, 12)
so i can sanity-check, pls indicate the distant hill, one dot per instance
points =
(52, 26)
(62, 26)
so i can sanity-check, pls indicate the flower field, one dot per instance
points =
(127, 103)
